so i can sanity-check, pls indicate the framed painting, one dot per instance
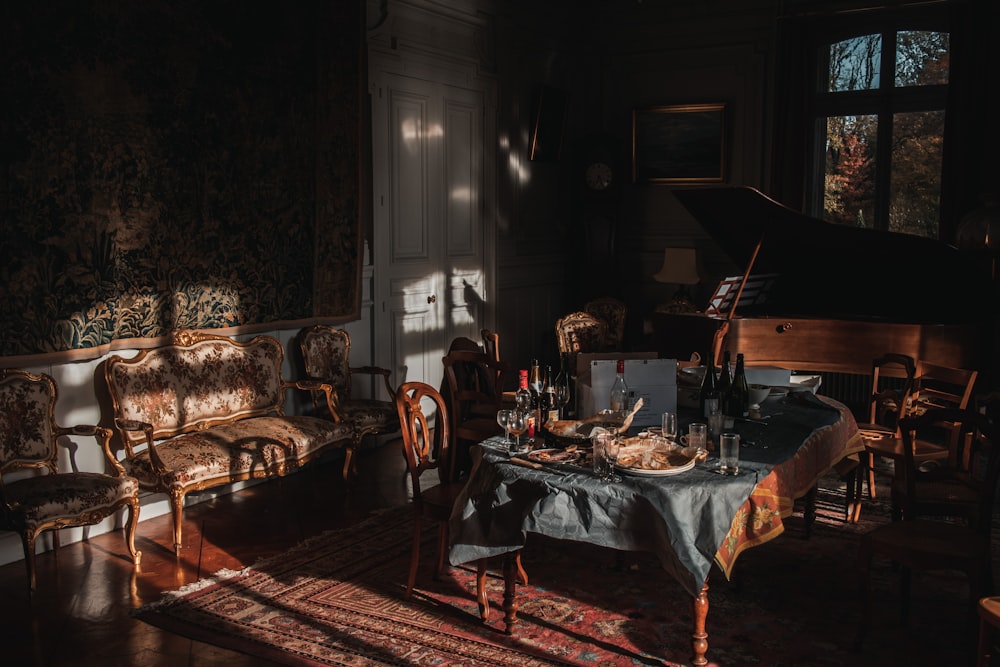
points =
(679, 144)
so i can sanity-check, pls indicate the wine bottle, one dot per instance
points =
(551, 411)
(562, 385)
(535, 377)
(535, 387)
(708, 397)
(522, 397)
(739, 395)
(725, 383)
(619, 389)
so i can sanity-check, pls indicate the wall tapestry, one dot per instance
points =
(176, 165)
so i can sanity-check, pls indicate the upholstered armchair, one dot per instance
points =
(613, 311)
(580, 332)
(326, 355)
(50, 499)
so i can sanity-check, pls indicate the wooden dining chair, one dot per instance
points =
(915, 542)
(424, 418)
(52, 499)
(474, 395)
(891, 382)
(934, 386)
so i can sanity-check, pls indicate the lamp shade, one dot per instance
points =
(680, 266)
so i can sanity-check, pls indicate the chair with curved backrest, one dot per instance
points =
(474, 395)
(418, 405)
(933, 544)
(891, 382)
(934, 386)
(491, 343)
(577, 333)
(326, 353)
(613, 311)
(52, 500)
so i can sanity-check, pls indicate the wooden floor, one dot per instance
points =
(79, 614)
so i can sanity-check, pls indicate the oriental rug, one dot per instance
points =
(337, 600)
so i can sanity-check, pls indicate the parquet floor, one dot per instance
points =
(79, 614)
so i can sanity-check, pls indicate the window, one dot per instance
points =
(879, 112)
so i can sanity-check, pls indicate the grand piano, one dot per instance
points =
(815, 296)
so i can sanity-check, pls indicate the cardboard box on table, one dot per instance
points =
(654, 380)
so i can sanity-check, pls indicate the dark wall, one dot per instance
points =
(173, 165)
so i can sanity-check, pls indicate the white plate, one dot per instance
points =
(553, 456)
(642, 472)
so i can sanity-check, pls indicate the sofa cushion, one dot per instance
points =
(257, 447)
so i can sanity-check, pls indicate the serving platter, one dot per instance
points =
(664, 472)
(668, 461)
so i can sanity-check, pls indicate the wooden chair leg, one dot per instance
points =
(133, 520)
(442, 549)
(869, 459)
(414, 558)
(522, 575)
(177, 510)
(28, 543)
(481, 599)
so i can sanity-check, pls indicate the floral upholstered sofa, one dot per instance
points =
(207, 410)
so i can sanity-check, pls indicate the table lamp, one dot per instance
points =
(680, 266)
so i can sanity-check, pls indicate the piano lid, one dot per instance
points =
(836, 271)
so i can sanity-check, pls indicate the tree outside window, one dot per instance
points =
(879, 153)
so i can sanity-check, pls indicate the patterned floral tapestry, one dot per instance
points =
(181, 164)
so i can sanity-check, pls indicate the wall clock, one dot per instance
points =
(599, 176)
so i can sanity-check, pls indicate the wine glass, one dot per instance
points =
(503, 417)
(517, 424)
(562, 395)
(668, 422)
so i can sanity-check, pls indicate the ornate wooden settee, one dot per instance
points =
(207, 410)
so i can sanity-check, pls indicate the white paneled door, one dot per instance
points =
(431, 277)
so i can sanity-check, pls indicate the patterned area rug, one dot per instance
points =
(337, 600)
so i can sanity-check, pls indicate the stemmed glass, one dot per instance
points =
(562, 395)
(517, 424)
(668, 422)
(503, 418)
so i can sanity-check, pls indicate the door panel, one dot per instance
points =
(427, 145)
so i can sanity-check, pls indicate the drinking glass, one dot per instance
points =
(611, 449)
(729, 453)
(696, 437)
(517, 424)
(503, 418)
(605, 455)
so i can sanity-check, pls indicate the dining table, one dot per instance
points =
(691, 520)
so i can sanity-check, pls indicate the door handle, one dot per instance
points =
(432, 298)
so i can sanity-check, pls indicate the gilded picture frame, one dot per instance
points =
(679, 144)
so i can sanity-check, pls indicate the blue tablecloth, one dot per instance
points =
(681, 518)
